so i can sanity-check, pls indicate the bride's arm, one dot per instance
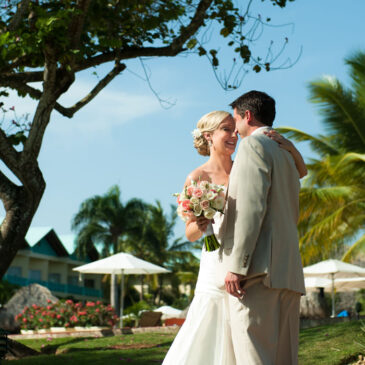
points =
(195, 228)
(289, 146)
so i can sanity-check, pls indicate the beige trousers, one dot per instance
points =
(265, 325)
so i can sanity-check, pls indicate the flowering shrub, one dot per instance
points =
(67, 314)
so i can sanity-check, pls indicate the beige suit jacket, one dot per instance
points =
(259, 231)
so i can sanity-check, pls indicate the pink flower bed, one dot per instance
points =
(67, 314)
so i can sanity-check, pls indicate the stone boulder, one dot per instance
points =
(24, 297)
(313, 305)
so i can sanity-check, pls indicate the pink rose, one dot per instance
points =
(204, 204)
(198, 193)
(190, 190)
(186, 204)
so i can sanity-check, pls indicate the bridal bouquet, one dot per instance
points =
(202, 199)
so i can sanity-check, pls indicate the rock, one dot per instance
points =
(26, 296)
(7, 321)
(313, 305)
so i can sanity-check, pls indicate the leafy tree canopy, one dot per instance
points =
(44, 44)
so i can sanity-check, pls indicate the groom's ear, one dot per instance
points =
(249, 116)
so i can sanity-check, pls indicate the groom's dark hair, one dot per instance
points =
(257, 102)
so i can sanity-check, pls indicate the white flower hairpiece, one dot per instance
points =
(196, 133)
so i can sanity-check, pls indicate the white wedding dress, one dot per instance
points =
(205, 337)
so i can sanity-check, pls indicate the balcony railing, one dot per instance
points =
(56, 287)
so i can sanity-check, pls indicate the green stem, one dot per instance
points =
(211, 243)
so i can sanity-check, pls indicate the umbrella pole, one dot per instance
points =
(112, 290)
(121, 299)
(333, 296)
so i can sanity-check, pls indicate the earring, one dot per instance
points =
(210, 144)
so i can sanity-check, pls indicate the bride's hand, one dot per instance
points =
(202, 223)
(283, 142)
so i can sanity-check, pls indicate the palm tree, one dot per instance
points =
(332, 200)
(105, 220)
(153, 242)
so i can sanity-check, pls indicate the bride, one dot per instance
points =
(205, 337)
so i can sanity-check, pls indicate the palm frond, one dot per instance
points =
(358, 246)
(357, 73)
(327, 198)
(341, 113)
(320, 144)
(326, 227)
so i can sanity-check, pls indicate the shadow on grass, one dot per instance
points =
(52, 348)
(101, 356)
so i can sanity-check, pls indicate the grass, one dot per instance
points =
(337, 344)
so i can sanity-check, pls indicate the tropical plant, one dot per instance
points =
(152, 241)
(66, 314)
(332, 199)
(7, 290)
(105, 221)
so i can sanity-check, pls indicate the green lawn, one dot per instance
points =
(328, 345)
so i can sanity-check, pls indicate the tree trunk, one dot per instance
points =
(21, 202)
(20, 205)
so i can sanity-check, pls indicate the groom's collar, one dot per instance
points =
(260, 130)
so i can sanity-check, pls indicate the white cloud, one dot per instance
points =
(110, 108)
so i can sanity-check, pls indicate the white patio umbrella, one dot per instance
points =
(350, 284)
(168, 312)
(344, 284)
(334, 269)
(315, 282)
(123, 264)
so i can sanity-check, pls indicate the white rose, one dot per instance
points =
(209, 213)
(218, 203)
(194, 201)
(204, 185)
(197, 210)
(211, 195)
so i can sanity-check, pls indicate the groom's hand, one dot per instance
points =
(233, 284)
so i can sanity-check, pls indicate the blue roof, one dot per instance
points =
(68, 241)
(37, 241)
(35, 234)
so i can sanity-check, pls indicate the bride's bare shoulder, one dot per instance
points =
(198, 174)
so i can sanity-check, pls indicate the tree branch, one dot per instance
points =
(22, 7)
(36, 76)
(69, 112)
(5, 189)
(51, 89)
(7, 153)
(171, 50)
(77, 23)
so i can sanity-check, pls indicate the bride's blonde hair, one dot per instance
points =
(208, 123)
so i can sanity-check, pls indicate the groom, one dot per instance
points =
(260, 250)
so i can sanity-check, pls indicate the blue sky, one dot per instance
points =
(125, 137)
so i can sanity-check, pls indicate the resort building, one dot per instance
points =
(48, 259)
